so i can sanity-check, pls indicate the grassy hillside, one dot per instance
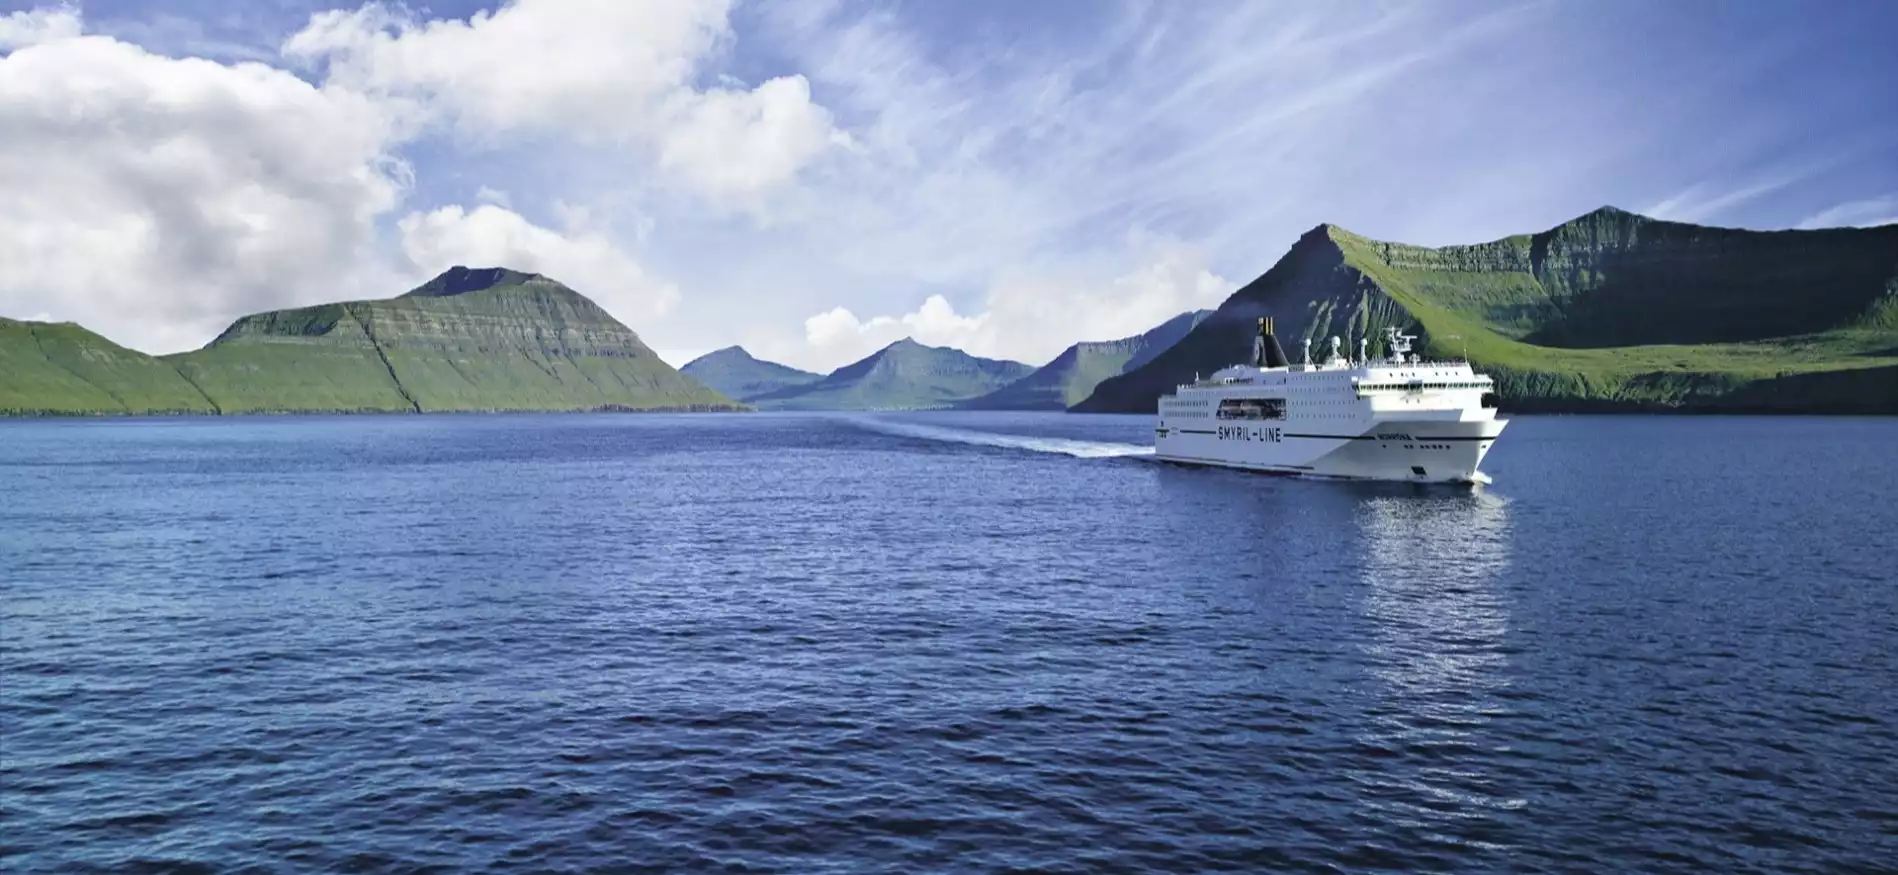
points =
(469, 340)
(1611, 311)
(905, 375)
(734, 372)
(1072, 376)
(310, 359)
(61, 368)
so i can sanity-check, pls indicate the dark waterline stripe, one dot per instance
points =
(1228, 464)
(1372, 437)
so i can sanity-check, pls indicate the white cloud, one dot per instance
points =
(497, 197)
(1030, 316)
(1012, 169)
(155, 199)
(1865, 213)
(152, 199)
(584, 66)
(838, 337)
(609, 72)
(33, 26)
(964, 177)
(733, 143)
(584, 259)
(1708, 201)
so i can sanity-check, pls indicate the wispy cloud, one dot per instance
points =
(1179, 120)
(1704, 201)
(1012, 178)
(1860, 214)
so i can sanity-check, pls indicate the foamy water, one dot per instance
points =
(1039, 444)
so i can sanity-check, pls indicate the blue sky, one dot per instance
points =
(815, 180)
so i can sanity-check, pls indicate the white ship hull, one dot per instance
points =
(1391, 418)
(1416, 450)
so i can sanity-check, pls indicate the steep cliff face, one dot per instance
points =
(61, 368)
(905, 375)
(1609, 311)
(469, 340)
(734, 372)
(1618, 279)
(1073, 375)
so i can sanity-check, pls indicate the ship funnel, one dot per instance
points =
(1266, 352)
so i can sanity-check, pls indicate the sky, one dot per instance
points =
(815, 180)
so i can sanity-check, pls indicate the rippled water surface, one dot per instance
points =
(951, 642)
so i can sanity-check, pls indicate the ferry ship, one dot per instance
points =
(1394, 418)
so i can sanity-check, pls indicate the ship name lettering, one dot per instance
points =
(1249, 433)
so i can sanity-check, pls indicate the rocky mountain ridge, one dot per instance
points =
(468, 340)
(905, 375)
(1608, 311)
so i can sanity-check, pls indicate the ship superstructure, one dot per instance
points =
(1393, 418)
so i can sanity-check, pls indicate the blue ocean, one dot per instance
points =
(938, 643)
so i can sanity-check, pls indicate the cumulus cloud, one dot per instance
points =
(153, 198)
(586, 260)
(733, 143)
(838, 337)
(33, 26)
(878, 172)
(616, 72)
(1029, 316)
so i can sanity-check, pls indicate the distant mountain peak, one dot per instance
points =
(1073, 375)
(460, 280)
(733, 352)
(905, 374)
(1610, 213)
(734, 371)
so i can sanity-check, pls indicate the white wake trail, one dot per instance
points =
(1064, 446)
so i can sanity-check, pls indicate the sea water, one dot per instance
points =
(938, 642)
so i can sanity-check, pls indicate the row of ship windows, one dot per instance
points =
(1245, 408)
(1401, 386)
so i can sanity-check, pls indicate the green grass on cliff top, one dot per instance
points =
(1459, 313)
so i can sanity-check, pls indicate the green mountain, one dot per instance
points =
(61, 368)
(734, 372)
(1072, 376)
(468, 340)
(905, 375)
(1610, 311)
